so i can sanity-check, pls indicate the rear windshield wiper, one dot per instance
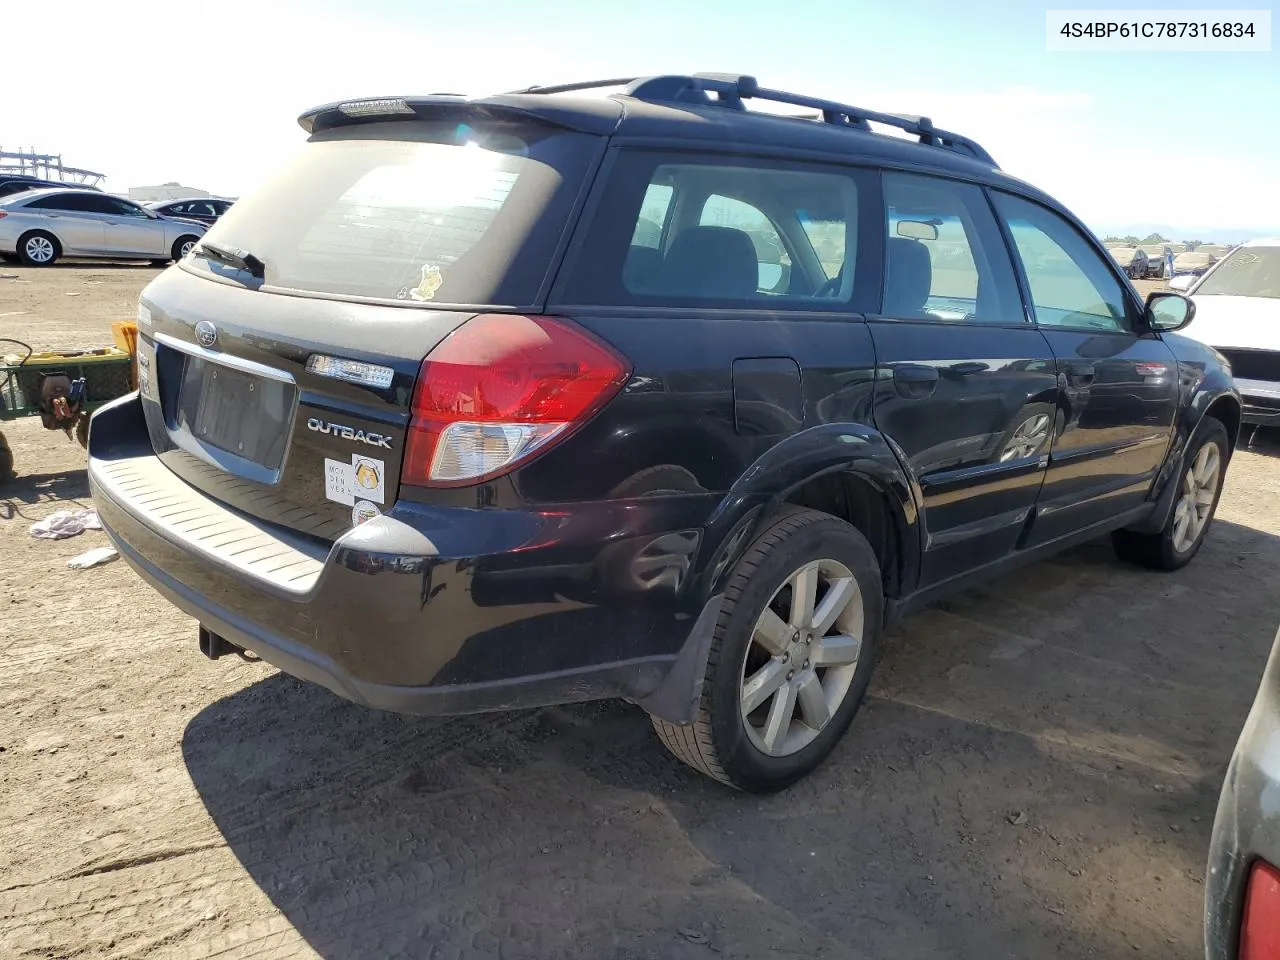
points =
(233, 257)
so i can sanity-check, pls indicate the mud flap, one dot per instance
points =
(677, 697)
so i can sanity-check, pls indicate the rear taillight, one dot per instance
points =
(1260, 927)
(499, 389)
(3, 214)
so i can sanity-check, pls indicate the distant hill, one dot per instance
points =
(1178, 233)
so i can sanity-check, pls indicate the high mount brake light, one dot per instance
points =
(501, 388)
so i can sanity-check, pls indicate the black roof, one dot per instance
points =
(703, 107)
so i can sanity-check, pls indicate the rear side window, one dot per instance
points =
(420, 212)
(77, 202)
(719, 231)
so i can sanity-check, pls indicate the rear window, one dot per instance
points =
(423, 212)
(1249, 272)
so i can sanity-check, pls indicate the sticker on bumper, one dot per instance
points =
(339, 482)
(370, 478)
(363, 511)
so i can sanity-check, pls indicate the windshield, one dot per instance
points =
(1249, 272)
(419, 212)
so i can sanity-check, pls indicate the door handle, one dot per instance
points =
(1080, 374)
(915, 381)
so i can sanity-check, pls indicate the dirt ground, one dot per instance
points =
(1034, 775)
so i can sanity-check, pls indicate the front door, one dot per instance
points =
(128, 229)
(1118, 384)
(966, 385)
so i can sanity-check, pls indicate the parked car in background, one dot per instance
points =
(664, 464)
(1132, 260)
(11, 183)
(1215, 250)
(38, 227)
(1155, 253)
(1238, 314)
(206, 210)
(1242, 878)
(1191, 264)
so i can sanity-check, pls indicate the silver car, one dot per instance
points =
(1242, 883)
(39, 226)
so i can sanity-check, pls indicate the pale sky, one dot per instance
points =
(208, 94)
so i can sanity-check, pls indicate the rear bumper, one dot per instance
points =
(422, 610)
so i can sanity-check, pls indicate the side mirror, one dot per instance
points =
(1168, 311)
(1183, 283)
(917, 230)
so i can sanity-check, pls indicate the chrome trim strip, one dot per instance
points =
(225, 359)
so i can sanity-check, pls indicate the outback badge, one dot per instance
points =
(349, 433)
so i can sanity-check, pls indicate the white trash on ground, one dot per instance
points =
(93, 558)
(66, 523)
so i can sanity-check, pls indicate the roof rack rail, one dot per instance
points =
(731, 89)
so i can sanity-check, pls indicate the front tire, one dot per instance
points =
(791, 655)
(1203, 470)
(38, 249)
(182, 246)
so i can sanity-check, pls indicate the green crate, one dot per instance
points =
(107, 374)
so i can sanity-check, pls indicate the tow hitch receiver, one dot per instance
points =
(213, 646)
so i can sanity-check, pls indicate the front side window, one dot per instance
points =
(721, 232)
(1249, 272)
(1071, 285)
(944, 258)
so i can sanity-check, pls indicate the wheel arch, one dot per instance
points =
(847, 470)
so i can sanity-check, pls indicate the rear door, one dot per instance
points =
(287, 396)
(1118, 384)
(71, 220)
(966, 386)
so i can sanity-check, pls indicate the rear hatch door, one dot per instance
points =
(278, 362)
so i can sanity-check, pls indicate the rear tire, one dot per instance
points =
(6, 460)
(1200, 477)
(182, 246)
(37, 248)
(746, 736)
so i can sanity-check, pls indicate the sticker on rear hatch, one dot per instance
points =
(339, 482)
(369, 476)
(429, 284)
(363, 511)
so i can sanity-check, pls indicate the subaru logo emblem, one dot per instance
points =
(206, 333)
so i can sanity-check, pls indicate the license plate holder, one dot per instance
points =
(236, 412)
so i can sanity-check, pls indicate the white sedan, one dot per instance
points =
(1238, 312)
(39, 226)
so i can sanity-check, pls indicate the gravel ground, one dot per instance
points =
(1034, 775)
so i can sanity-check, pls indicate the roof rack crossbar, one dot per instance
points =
(732, 89)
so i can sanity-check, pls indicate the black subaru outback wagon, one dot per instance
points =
(542, 397)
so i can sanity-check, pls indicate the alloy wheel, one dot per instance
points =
(801, 658)
(39, 249)
(1199, 488)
